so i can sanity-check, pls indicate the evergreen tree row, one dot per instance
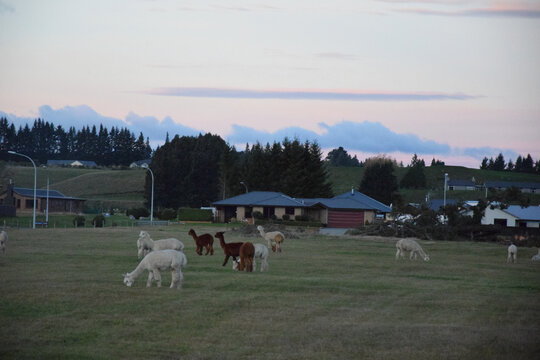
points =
(195, 171)
(45, 141)
(524, 164)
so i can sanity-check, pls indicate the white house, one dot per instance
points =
(513, 216)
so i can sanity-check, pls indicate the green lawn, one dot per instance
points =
(62, 297)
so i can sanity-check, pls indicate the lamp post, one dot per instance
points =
(243, 183)
(35, 184)
(445, 181)
(152, 201)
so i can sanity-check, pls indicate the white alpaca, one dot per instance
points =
(274, 238)
(3, 241)
(159, 260)
(261, 252)
(411, 246)
(512, 254)
(145, 244)
(536, 257)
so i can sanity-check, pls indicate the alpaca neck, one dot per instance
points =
(138, 270)
(221, 241)
(194, 235)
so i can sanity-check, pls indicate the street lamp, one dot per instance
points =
(445, 181)
(243, 183)
(152, 201)
(35, 184)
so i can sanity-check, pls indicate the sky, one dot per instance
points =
(453, 80)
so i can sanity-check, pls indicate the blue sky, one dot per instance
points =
(456, 80)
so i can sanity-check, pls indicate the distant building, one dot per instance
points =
(348, 210)
(140, 163)
(74, 163)
(513, 216)
(525, 187)
(469, 185)
(22, 199)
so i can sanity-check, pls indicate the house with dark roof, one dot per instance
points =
(525, 187)
(347, 210)
(73, 163)
(23, 200)
(461, 185)
(513, 216)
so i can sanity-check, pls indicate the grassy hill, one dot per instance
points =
(123, 188)
(103, 188)
(344, 177)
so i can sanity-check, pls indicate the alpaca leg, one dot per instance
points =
(398, 254)
(150, 278)
(177, 277)
(211, 250)
(264, 265)
(508, 259)
(254, 265)
(227, 259)
(157, 276)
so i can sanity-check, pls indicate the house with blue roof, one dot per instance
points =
(351, 209)
(513, 216)
(23, 200)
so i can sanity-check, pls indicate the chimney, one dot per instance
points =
(352, 190)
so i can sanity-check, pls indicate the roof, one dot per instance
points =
(458, 182)
(508, 184)
(349, 200)
(437, 204)
(40, 193)
(261, 198)
(71, 162)
(526, 213)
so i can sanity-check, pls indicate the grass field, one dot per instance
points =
(62, 297)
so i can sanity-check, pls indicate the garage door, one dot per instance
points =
(345, 219)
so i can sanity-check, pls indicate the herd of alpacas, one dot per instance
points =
(168, 254)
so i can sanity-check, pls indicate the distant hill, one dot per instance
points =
(103, 188)
(124, 188)
(344, 177)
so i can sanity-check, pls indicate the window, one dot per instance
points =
(29, 203)
(501, 222)
(289, 210)
(248, 211)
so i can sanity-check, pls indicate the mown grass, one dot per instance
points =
(62, 297)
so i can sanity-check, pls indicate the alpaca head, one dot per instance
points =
(426, 257)
(143, 234)
(260, 228)
(128, 281)
(191, 232)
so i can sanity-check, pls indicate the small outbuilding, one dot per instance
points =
(22, 199)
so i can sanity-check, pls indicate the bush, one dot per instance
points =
(301, 218)
(167, 214)
(137, 213)
(257, 215)
(191, 214)
(286, 217)
(98, 221)
(79, 221)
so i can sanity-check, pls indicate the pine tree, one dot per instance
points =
(379, 181)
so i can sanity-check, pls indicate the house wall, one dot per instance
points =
(492, 214)
(240, 213)
(279, 212)
(369, 217)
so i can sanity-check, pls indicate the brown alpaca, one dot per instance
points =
(230, 249)
(204, 241)
(247, 252)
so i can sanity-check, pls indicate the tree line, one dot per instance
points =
(524, 164)
(45, 141)
(195, 171)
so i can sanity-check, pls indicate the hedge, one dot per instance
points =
(191, 214)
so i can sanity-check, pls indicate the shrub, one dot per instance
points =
(191, 214)
(167, 214)
(286, 217)
(138, 212)
(98, 221)
(257, 215)
(301, 218)
(79, 221)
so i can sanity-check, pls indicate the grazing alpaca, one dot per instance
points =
(247, 251)
(145, 244)
(159, 260)
(512, 254)
(204, 241)
(536, 257)
(230, 249)
(261, 252)
(274, 238)
(409, 245)
(3, 241)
